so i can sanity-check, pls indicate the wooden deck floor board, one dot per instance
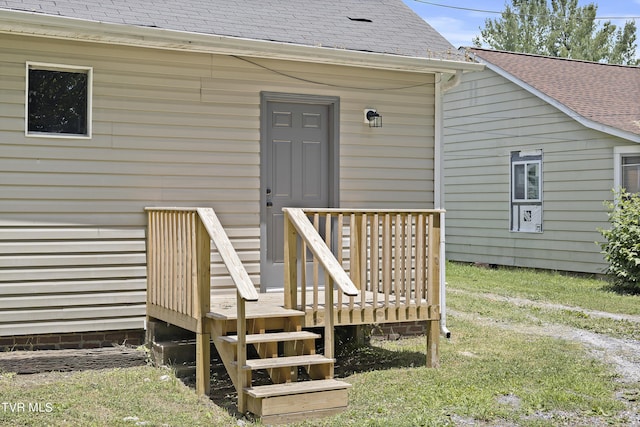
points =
(271, 304)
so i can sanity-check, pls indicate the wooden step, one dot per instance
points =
(297, 401)
(284, 362)
(253, 311)
(300, 387)
(273, 337)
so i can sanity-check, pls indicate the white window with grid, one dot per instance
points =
(526, 191)
(626, 168)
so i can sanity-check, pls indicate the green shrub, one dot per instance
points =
(622, 249)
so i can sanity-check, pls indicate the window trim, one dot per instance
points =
(513, 181)
(618, 153)
(30, 65)
(526, 158)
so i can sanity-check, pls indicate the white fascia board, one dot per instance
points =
(36, 24)
(568, 111)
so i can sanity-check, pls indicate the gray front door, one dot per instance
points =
(296, 174)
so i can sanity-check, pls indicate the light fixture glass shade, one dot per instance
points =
(375, 119)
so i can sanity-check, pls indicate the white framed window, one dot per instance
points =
(626, 168)
(58, 100)
(526, 191)
(526, 181)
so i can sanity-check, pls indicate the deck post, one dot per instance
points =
(241, 349)
(290, 264)
(202, 306)
(203, 363)
(151, 276)
(329, 315)
(329, 320)
(433, 292)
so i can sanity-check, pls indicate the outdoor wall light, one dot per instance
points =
(372, 117)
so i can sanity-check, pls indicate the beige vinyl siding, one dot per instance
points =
(171, 129)
(70, 279)
(486, 118)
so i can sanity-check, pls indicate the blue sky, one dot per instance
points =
(461, 26)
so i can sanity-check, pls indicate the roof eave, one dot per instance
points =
(591, 124)
(37, 24)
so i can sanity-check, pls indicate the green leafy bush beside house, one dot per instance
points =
(622, 248)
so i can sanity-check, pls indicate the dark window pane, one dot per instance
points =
(631, 160)
(518, 182)
(631, 178)
(58, 102)
(533, 187)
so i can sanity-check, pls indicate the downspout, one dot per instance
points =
(452, 82)
(438, 177)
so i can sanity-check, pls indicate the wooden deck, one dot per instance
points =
(370, 266)
(373, 310)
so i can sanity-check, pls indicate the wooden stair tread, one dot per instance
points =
(283, 362)
(272, 337)
(315, 386)
(253, 311)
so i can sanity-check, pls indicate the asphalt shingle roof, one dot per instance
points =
(381, 26)
(603, 93)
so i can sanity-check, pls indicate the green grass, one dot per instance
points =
(489, 374)
(591, 294)
(481, 366)
(106, 397)
(529, 315)
(473, 290)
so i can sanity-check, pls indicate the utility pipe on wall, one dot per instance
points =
(438, 172)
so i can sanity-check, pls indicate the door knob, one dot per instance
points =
(269, 202)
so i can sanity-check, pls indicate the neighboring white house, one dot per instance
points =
(110, 107)
(533, 147)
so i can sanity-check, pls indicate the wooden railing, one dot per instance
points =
(296, 224)
(179, 277)
(393, 260)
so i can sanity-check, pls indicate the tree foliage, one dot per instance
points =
(622, 248)
(561, 29)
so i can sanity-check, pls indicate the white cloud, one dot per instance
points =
(457, 32)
